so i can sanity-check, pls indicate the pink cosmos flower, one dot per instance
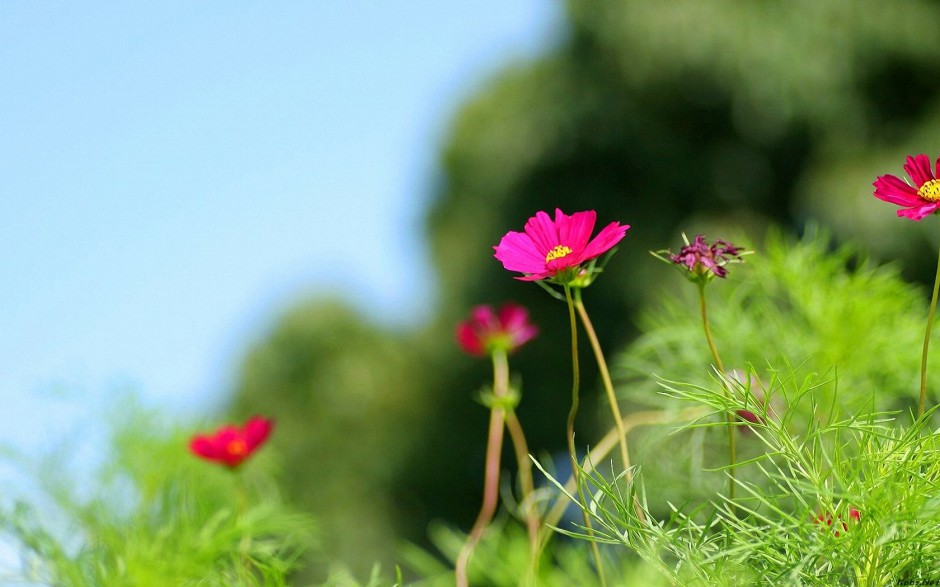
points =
(487, 331)
(555, 249)
(232, 445)
(919, 200)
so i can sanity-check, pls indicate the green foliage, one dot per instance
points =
(344, 578)
(796, 526)
(795, 309)
(347, 399)
(157, 515)
(502, 560)
(793, 302)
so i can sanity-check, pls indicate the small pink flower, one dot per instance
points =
(919, 200)
(231, 445)
(703, 260)
(487, 331)
(555, 249)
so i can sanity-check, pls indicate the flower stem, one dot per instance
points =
(607, 444)
(572, 414)
(721, 369)
(609, 389)
(605, 377)
(521, 448)
(921, 404)
(241, 510)
(494, 446)
(529, 509)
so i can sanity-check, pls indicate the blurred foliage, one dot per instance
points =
(502, 558)
(833, 499)
(154, 515)
(344, 397)
(695, 116)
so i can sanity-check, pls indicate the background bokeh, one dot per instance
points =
(696, 115)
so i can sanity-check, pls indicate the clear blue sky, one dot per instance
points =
(173, 174)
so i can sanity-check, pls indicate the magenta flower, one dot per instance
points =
(487, 331)
(556, 249)
(919, 200)
(231, 445)
(704, 261)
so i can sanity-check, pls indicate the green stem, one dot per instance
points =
(721, 369)
(572, 415)
(609, 389)
(606, 445)
(521, 447)
(529, 509)
(923, 358)
(244, 546)
(605, 377)
(494, 446)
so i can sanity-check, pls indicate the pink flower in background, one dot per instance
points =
(231, 445)
(487, 330)
(704, 260)
(555, 249)
(919, 200)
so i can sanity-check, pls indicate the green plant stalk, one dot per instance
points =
(721, 369)
(606, 445)
(605, 377)
(923, 357)
(529, 509)
(521, 448)
(872, 576)
(572, 415)
(244, 546)
(611, 396)
(494, 447)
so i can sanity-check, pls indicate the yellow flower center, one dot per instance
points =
(562, 251)
(237, 448)
(930, 191)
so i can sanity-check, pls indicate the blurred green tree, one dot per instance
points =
(346, 402)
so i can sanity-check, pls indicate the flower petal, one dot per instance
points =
(515, 322)
(257, 430)
(918, 167)
(604, 241)
(537, 276)
(891, 188)
(512, 316)
(202, 446)
(919, 212)
(543, 232)
(575, 230)
(468, 340)
(517, 252)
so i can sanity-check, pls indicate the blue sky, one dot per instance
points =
(173, 174)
